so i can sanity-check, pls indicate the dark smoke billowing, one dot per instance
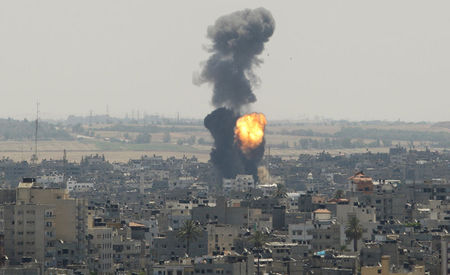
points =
(237, 40)
(225, 154)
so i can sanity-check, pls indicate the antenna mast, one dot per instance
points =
(34, 158)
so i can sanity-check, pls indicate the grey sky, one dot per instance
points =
(356, 60)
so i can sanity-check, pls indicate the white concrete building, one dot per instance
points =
(74, 186)
(301, 233)
(52, 179)
(242, 183)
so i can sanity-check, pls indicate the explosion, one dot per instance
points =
(237, 40)
(249, 131)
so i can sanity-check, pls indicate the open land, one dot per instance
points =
(282, 139)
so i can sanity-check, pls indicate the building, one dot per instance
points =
(361, 183)
(229, 264)
(445, 259)
(301, 233)
(221, 238)
(242, 183)
(384, 269)
(74, 186)
(170, 246)
(40, 217)
(100, 247)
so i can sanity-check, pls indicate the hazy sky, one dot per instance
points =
(358, 60)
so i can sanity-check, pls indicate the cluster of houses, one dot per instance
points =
(385, 213)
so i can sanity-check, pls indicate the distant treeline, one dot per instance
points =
(302, 132)
(332, 143)
(148, 129)
(145, 119)
(443, 124)
(11, 129)
(350, 137)
(407, 135)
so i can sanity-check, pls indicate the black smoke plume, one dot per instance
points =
(225, 154)
(238, 39)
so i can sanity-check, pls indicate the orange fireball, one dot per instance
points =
(249, 131)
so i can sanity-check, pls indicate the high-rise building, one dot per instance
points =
(445, 259)
(100, 247)
(40, 217)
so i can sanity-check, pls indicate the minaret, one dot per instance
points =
(142, 183)
(310, 182)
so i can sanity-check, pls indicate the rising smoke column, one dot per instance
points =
(237, 40)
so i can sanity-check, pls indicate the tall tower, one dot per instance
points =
(142, 183)
(34, 157)
(90, 118)
(64, 169)
(310, 182)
